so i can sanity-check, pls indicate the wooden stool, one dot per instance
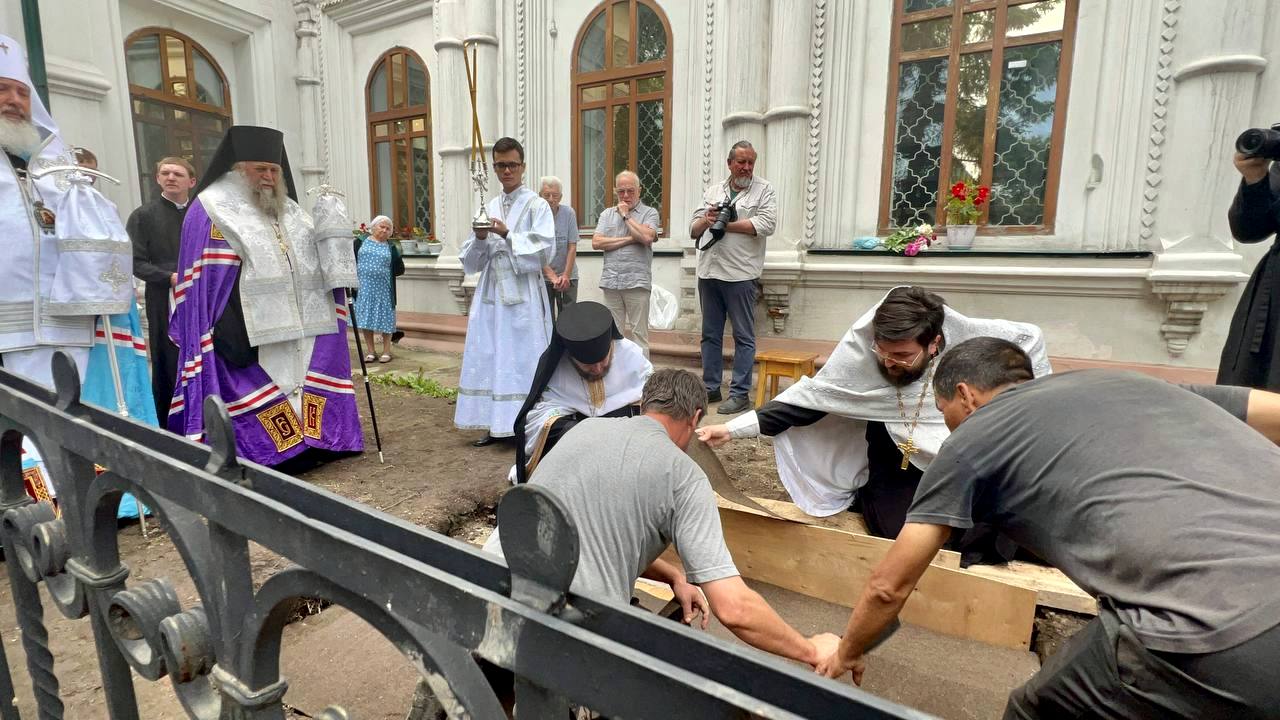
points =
(774, 364)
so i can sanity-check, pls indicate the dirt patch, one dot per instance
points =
(751, 464)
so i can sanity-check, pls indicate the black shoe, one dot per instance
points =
(485, 441)
(734, 405)
(714, 396)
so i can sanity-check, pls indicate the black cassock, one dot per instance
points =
(1249, 357)
(156, 232)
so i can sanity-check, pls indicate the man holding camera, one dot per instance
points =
(730, 234)
(1253, 342)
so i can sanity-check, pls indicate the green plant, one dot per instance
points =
(417, 382)
(962, 206)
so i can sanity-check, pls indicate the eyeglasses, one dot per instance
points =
(626, 191)
(893, 360)
(507, 166)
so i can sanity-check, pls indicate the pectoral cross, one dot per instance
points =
(114, 277)
(5, 48)
(908, 449)
(284, 247)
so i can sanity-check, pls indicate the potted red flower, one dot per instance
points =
(963, 210)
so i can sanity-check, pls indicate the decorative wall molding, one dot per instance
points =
(1220, 63)
(77, 79)
(742, 117)
(776, 283)
(366, 17)
(816, 63)
(308, 78)
(1160, 108)
(708, 88)
(522, 82)
(1187, 303)
(1115, 279)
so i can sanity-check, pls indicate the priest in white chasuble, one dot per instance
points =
(588, 370)
(859, 434)
(260, 317)
(510, 323)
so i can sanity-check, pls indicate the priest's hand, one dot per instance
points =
(714, 435)
(500, 228)
(692, 602)
(835, 666)
(1252, 168)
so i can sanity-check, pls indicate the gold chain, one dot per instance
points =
(911, 428)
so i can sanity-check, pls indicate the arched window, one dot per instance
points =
(621, 105)
(181, 101)
(398, 102)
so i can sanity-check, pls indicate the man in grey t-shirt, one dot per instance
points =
(1156, 499)
(630, 490)
(626, 233)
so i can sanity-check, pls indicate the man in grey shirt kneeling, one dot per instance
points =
(1163, 502)
(630, 490)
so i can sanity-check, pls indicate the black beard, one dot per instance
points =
(904, 376)
(590, 376)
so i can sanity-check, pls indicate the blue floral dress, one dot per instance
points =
(374, 309)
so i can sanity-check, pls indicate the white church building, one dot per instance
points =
(1104, 127)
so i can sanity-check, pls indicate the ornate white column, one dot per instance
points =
(787, 131)
(308, 80)
(482, 29)
(746, 92)
(1206, 78)
(451, 125)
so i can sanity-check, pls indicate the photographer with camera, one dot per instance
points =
(730, 233)
(1253, 341)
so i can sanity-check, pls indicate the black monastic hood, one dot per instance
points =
(248, 143)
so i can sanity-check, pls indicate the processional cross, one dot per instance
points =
(479, 166)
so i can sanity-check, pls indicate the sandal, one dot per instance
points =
(370, 357)
(384, 358)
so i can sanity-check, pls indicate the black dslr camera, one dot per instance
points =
(725, 214)
(1260, 142)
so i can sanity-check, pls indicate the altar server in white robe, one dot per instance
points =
(588, 370)
(509, 324)
(866, 426)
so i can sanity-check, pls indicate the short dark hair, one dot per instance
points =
(985, 363)
(507, 144)
(909, 313)
(675, 393)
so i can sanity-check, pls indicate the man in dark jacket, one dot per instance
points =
(155, 229)
(1253, 342)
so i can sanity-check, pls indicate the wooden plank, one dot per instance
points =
(1053, 589)
(834, 565)
(846, 521)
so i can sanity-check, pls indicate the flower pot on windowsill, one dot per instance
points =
(434, 248)
(960, 237)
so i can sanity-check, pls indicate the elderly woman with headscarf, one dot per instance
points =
(378, 264)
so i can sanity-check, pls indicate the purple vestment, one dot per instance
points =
(268, 431)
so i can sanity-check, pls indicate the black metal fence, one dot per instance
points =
(440, 601)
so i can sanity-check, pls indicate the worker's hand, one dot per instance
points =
(692, 602)
(1251, 168)
(714, 435)
(824, 644)
(562, 282)
(835, 667)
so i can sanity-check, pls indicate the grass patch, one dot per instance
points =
(417, 382)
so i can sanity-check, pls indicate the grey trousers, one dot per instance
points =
(1105, 672)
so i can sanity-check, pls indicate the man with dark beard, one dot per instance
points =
(260, 316)
(588, 370)
(854, 436)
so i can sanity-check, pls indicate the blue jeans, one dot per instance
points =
(736, 301)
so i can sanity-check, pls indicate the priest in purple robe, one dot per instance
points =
(260, 318)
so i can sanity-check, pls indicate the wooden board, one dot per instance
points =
(1053, 589)
(846, 521)
(834, 565)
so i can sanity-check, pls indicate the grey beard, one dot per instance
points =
(741, 183)
(19, 137)
(269, 201)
